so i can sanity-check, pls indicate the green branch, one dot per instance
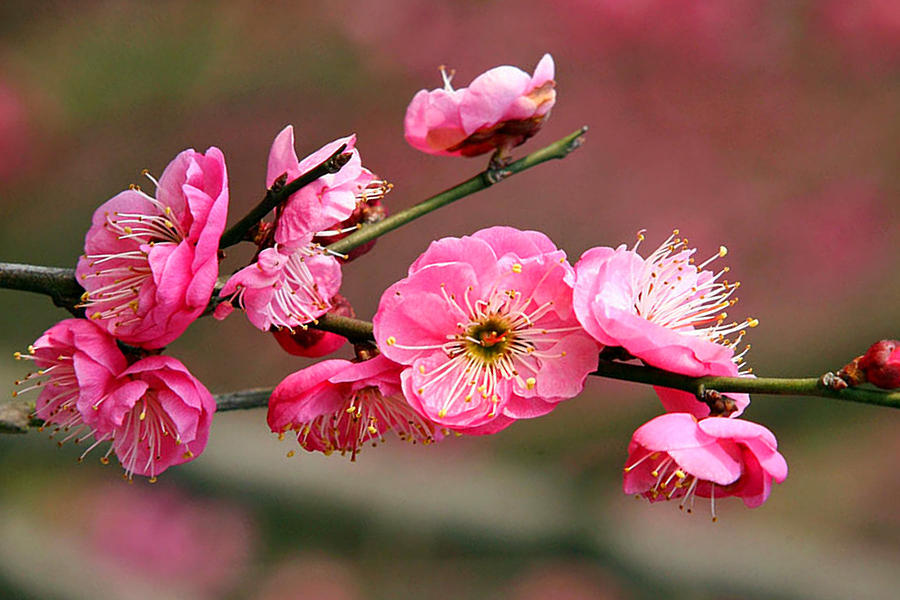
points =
(809, 386)
(558, 149)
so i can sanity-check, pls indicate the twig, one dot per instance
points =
(558, 149)
(279, 193)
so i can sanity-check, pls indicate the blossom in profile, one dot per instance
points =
(485, 329)
(326, 202)
(665, 310)
(150, 263)
(674, 456)
(155, 415)
(339, 405)
(74, 358)
(500, 109)
(314, 343)
(284, 287)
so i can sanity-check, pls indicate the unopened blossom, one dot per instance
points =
(315, 342)
(676, 457)
(155, 415)
(881, 364)
(485, 328)
(150, 263)
(74, 358)
(500, 109)
(339, 405)
(284, 287)
(323, 204)
(665, 310)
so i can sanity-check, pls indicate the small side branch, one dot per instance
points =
(57, 282)
(809, 386)
(558, 149)
(280, 192)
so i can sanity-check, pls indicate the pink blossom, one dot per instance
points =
(501, 108)
(75, 358)
(675, 456)
(664, 310)
(156, 415)
(315, 342)
(485, 328)
(284, 288)
(150, 264)
(325, 202)
(338, 405)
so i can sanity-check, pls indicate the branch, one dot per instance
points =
(810, 386)
(558, 149)
(279, 193)
(57, 282)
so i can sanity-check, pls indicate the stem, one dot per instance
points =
(558, 149)
(280, 193)
(809, 386)
(355, 330)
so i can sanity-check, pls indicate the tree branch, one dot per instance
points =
(558, 149)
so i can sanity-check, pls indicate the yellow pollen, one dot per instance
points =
(680, 474)
(153, 480)
(722, 251)
(468, 397)
(290, 453)
(372, 429)
(655, 473)
(85, 296)
(143, 414)
(17, 355)
(675, 232)
(752, 322)
(391, 341)
(281, 437)
(422, 369)
(517, 268)
(442, 413)
(128, 230)
(530, 383)
(104, 460)
(96, 316)
(188, 454)
(31, 349)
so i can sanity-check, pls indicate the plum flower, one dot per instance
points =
(676, 457)
(284, 287)
(75, 357)
(500, 109)
(485, 328)
(154, 412)
(150, 264)
(156, 415)
(664, 310)
(338, 406)
(324, 203)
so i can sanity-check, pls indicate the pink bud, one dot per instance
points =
(315, 342)
(881, 364)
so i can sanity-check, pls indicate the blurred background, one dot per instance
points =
(771, 127)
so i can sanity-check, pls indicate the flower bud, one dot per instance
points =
(315, 342)
(881, 364)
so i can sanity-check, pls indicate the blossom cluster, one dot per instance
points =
(484, 330)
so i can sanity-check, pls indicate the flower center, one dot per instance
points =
(489, 339)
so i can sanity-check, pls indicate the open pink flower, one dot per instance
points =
(326, 202)
(501, 108)
(664, 310)
(156, 415)
(339, 405)
(676, 457)
(284, 288)
(75, 358)
(150, 264)
(485, 327)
